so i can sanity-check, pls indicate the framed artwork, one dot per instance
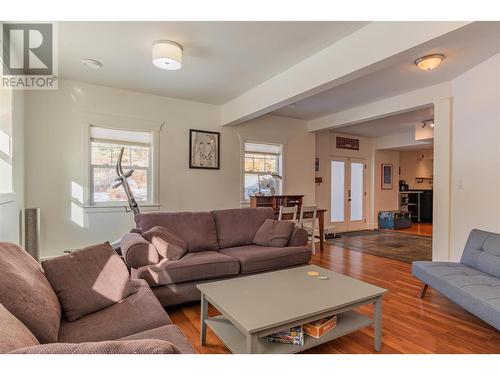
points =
(204, 149)
(386, 177)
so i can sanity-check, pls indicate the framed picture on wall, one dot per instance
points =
(386, 177)
(204, 149)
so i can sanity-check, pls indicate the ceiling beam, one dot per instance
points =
(391, 106)
(362, 52)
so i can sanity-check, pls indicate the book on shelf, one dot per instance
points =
(293, 336)
(320, 327)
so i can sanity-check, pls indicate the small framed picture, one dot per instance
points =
(386, 177)
(204, 149)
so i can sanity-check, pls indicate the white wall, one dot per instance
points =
(475, 198)
(385, 200)
(298, 150)
(12, 203)
(57, 153)
(416, 163)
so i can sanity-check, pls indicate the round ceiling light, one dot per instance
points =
(167, 55)
(92, 64)
(429, 62)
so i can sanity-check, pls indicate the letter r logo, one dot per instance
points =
(27, 48)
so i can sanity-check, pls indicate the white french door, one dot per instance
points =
(348, 194)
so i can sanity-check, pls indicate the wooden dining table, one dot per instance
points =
(320, 214)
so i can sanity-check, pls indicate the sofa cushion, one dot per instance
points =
(237, 227)
(482, 252)
(88, 280)
(150, 346)
(254, 258)
(274, 233)
(138, 252)
(138, 312)
(196, 228)
(170, 333)
(199, 265)
(475, 291)
(169, 245)
(299, 237)
(13, 333)
(27, 294)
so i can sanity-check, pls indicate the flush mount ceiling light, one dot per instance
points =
(167, 55)
(429, 62)
(92, 64)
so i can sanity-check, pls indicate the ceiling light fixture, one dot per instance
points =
(92, 64)
(167, 55)
(429, 62)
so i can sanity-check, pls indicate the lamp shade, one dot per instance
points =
(429, 62)
(167, 55)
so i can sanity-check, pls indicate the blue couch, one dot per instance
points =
(474, 283)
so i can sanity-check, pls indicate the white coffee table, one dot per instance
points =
(253, 307)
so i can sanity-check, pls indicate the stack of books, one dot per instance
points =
(293, 336)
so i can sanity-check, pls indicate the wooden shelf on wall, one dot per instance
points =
(422, 179)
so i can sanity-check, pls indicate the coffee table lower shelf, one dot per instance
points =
(235, 340)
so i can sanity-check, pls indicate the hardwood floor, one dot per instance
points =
(421, 229)
(410, 325)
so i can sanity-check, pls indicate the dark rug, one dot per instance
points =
(393, 245)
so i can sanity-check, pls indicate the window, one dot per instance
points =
(105, 145)
(6, 170)
(262, 158)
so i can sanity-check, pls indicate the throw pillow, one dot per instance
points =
(88, 280)
(168, 244)
(14, 334)
(273, 233)
(27, 294)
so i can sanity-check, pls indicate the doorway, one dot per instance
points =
(348, 193)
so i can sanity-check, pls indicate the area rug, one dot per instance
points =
(358, 233)
(393, 245)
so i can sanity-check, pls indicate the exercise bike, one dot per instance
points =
(121, 180)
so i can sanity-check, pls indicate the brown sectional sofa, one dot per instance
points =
(32, 321)
(220, 245)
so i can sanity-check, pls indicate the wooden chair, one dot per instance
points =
(288, 211)
(309, 223)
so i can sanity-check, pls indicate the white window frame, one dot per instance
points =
(149, 170)
(118, 122)
(8, 194)
(243, 172)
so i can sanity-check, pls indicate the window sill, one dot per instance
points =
(7, 198)
(91, 209)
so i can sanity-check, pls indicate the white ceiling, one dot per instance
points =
(395, 124)
(221, 59)
(464, 48)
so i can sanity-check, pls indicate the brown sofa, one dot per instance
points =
(219, 245)
(32, 321)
